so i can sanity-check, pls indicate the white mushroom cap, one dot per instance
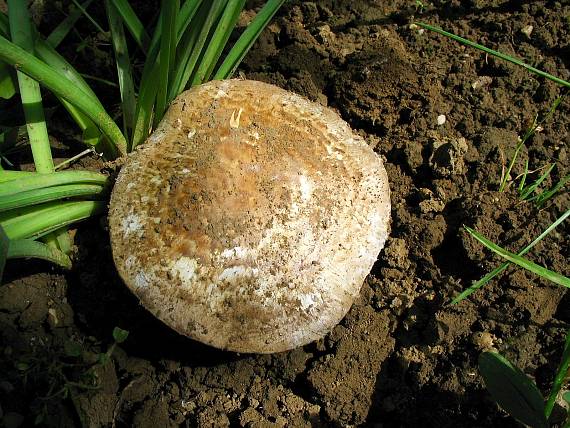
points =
(250, 218)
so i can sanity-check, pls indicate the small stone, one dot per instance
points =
(527, 29)
(52, 319)
(441, 119)
(482, 82)
(484, 341)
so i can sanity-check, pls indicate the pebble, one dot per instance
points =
(441, 119)
(527, 29)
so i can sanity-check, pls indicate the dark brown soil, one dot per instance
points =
(402, 356)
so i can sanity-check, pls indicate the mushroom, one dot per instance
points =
(250, 217)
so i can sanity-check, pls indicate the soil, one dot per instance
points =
(403, 356)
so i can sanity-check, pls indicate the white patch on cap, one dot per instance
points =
(185, 269)
(236, 272)
(131, 224)
(142, 280)
(306, 187)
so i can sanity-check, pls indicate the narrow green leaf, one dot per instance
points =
(206, 18)
(134, 25)
(545, 196)
(524, 176)
(560, 378)
(28, 248)
(247, 39)
(512, 390)
(166, 54)
(488, 277)
(217, 41)
(91, 134)
(495, 53)
(21, 34)
(522, 262)
(39, 220)
(52, 80)
(124, 70)
(48, 194)
(7, 81)
(120, 335)
(88, 16)
(39, 181)
(64, 27)
(532, 187)
(8, 175)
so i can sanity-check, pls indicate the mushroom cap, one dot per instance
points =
(250, 217)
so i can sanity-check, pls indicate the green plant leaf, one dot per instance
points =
(247, 39)
(566, 396)
(561, 375)
(28, 248)
(512, 390)
(65, 26)
(488, 277)
(495, 53)
(522, 262)
(134, 25)
(124, 69)
(38, 196)
(120, 335)
(72, 348)
(7, 81)
(52, 79)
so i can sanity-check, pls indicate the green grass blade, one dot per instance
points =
(512, 389)
(92, 135)
(52, 80)
(166, 54)
(561, 375)
(21, 33)
(4, 25)
(145, 106)
(8, 81)
(496, 54)
(529, 133)
(133, 23)
(148, 88)
(247, 39)
(52, 58)
(200, 29)
(27, 248)
(39, 196)
(532, 187)
(187, 12)
(545, 196)
(522, 262)
(217, 41)
(65, 26)
(524, 176)
(488, 277)
(123, 63)
(37, 221)
(42, 181)
(88, 16)
(7, 175)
